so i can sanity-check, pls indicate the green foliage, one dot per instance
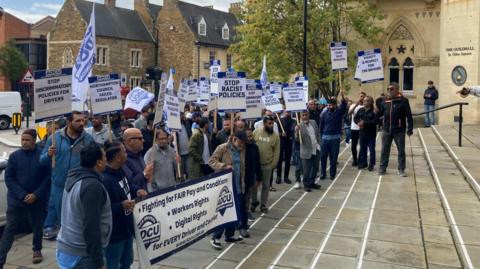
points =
(12, 62)
(275, 28)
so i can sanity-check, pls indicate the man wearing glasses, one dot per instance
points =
(137, 173)
(397, 119)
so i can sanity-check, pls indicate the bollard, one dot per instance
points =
(16, 121)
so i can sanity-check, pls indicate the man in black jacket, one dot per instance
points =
(397, 119)
(430, 95)
(27, 183)
(286, 145)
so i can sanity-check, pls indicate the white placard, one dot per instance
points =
(172, 112)
(338, 53)
(192, 91)
(215, 67)
(294, 99)
(272, 103)
(276, 88)
(253, 100)
(212, 102)
(182, 95)
(105, 94)
(52, 94)
(177, 217)
(204, 95)
(303, 81)
(371, 66)
(231, 92)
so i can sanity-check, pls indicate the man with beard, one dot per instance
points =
(69, 141)
(164, 162)
(222, 136)
(99, 131)
(313, 111)
(397, 115)
(331, 131)
(308, 131)
(199, 150)
(268, 143)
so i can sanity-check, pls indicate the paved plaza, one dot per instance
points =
(430, 219)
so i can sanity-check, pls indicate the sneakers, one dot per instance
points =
(288, 181)
(216, 244)
(297, 185)
(233, 239)
(250, 217)
(49, 233)
(37, 257)
(264, 209)
(254, 205)
(381, 172)
(402, 173)
(244, 233)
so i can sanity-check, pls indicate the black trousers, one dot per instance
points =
(35, 214)
(355, 138)
(286, 146)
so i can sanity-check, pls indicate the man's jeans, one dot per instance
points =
(310, 169)
(348, 134)
(119, 255)
(266, 175)
(330, 150)
(298, 162)
(429, 117)
(51, 219)
(33, 213)
(387, 139)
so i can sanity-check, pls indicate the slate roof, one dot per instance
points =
(215, 19)
(154, 10)
(115, 22)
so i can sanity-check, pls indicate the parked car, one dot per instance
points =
(11, 103)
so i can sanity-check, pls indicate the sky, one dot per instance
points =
(34, 10)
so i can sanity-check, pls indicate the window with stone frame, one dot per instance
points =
(212, 56)
(102, 56)
(202, 27)
(394, 69)
(135, 81)
(67, 59)
(225, 32)
(229, 60)
(136, 58)
(407, 85)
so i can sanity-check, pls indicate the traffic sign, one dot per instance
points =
(27, 78)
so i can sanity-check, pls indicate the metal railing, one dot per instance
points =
(459, 119)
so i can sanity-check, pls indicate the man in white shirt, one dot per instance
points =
(259, 124)
(355, 129)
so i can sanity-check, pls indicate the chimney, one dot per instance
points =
(110, 3)
(170, 3)
(235, 8)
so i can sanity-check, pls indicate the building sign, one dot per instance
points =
(460, 51)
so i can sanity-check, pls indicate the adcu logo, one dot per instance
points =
(225, 200)
(149, 230)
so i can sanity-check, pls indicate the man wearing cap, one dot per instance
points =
(27, 195)
(331, 131)
(231, 155)
(430, 96)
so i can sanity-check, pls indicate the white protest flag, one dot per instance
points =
(170, 83)
(82, 69)
(263, 75)
(138, 98)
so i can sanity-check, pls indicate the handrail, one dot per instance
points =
(460, 116)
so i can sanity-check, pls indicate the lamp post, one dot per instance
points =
(305, 17)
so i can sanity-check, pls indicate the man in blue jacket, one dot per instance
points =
(27, 183)
(69, 141)
(430, 95)
(331, 132)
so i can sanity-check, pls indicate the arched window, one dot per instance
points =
(67, 57)
(408, 74)
(394, 68)
(202, 27)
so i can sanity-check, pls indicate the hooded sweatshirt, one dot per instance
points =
(86, 216)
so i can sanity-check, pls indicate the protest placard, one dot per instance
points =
(105, 94)
(253, 100)
(172, 113)
(182, 94)
(370, 65)
(52, 93)
(192, 91)
(231, 92)
(215, 67)
(294, 99)
(212, 102)
(338, 53)
(276, 88)
(204, 95)
(174, 218)
(272, 103)
(303, 81)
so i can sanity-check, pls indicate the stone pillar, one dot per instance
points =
(459, 46)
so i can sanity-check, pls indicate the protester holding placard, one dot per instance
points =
(99, 131)
(355, 129)
(308, 132)
(231, 155)
(137, 173)
(286, 144)
(119, 252)
(199, 150)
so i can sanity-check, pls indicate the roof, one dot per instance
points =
(215, 20)
(115, 22)
(154, 10)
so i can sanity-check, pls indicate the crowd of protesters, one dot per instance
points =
(83, 179)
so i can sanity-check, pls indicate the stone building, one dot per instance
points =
(429, 40)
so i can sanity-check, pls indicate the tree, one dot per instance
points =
(12, 62)
(275, 28)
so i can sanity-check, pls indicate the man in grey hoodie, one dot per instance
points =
(86, 214)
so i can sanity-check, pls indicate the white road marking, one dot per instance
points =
(325, 240)
(262, 215)
(369, 223)
(446, 205)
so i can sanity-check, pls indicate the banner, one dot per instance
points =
(371, 66)
(138, 98)
(52, 94)
(204, 95)
(253, 101)
(105, 94)
(214, 69)
(294, 99)
(174, 218)
(231, 92)
(272, 103)
(338, 53)
(82, 69)
(172, 113)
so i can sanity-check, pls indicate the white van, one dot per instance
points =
(10, 102)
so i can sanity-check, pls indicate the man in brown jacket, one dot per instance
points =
(199, 149)
(231, 155)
